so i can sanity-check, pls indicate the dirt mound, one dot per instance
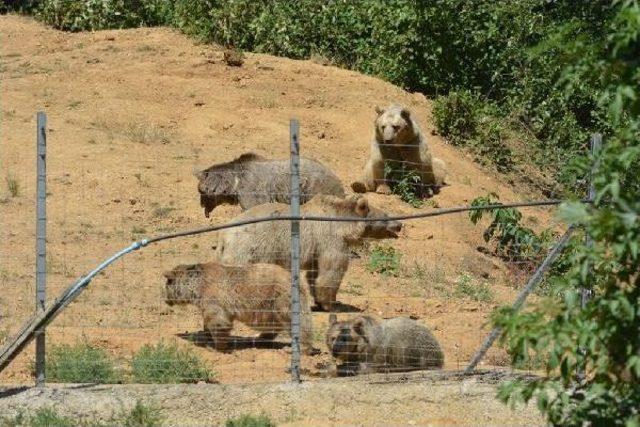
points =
(132, 114)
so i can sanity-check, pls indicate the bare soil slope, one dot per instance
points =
(131, 115)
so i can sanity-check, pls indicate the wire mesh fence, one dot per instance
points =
(408, 293)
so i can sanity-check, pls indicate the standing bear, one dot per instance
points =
(258, 295)
(399, 145)
(324, 245)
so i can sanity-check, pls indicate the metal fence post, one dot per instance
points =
(585, 291)
(596, 143)
(41, 242)
(537, 277)
(295, 250)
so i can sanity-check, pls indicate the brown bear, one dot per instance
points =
(399, 145)
(258, 295)
(252, 180)
(365, 345)
(325, 246)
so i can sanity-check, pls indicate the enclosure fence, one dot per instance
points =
(261, 298)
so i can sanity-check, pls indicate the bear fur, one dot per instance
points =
(252, 180)
(399, 142)
(258, 295)
(365, 345)
(325, 246)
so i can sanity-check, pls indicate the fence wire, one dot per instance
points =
(172, 313)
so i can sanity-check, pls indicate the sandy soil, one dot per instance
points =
(410, 401)
(132, 114)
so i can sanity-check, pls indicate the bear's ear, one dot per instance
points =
(333, 319)
(362, 207)
(379, 110)
(405, 114)
(358, 326)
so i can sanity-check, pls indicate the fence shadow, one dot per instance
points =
(203, 339)
(339, 307)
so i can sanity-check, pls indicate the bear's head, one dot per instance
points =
(221, 183)
(347, 340)
(394, 125)
(382, 228)
(183, 284)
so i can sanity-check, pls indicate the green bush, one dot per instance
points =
(250, 421)
(514, 241)
(592, 348)
(162, 364)
(80, 363)
(79, 15)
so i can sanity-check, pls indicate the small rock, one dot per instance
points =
(198, 103)
(133, 201)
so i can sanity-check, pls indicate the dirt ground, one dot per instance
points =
(410, 401)
(132, 114)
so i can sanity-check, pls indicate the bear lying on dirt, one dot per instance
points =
(399, 145)
(366, 345)
(252, 180)
(325, 246)
(258, 295)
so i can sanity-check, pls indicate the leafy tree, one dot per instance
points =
(593, 352)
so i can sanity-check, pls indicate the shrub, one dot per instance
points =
(384, 260)
(79, 15)
(405, 183)
(80, 363)
(593, 372)
(162, 364)
(513, 241)
(457, 116)
(467, 120)
(250, 421)
(141, 415)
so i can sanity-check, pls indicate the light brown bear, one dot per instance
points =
(257, 295)
(325, 245)
(365, 345)
(399, 143)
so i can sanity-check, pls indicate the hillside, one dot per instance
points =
(132, 114)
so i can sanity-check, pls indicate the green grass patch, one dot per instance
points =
(43, 417)
(166, 363)
(141, 415)
(80, 363)
(384, 260)
(13, 185)
(250, 421)
(467, 287)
